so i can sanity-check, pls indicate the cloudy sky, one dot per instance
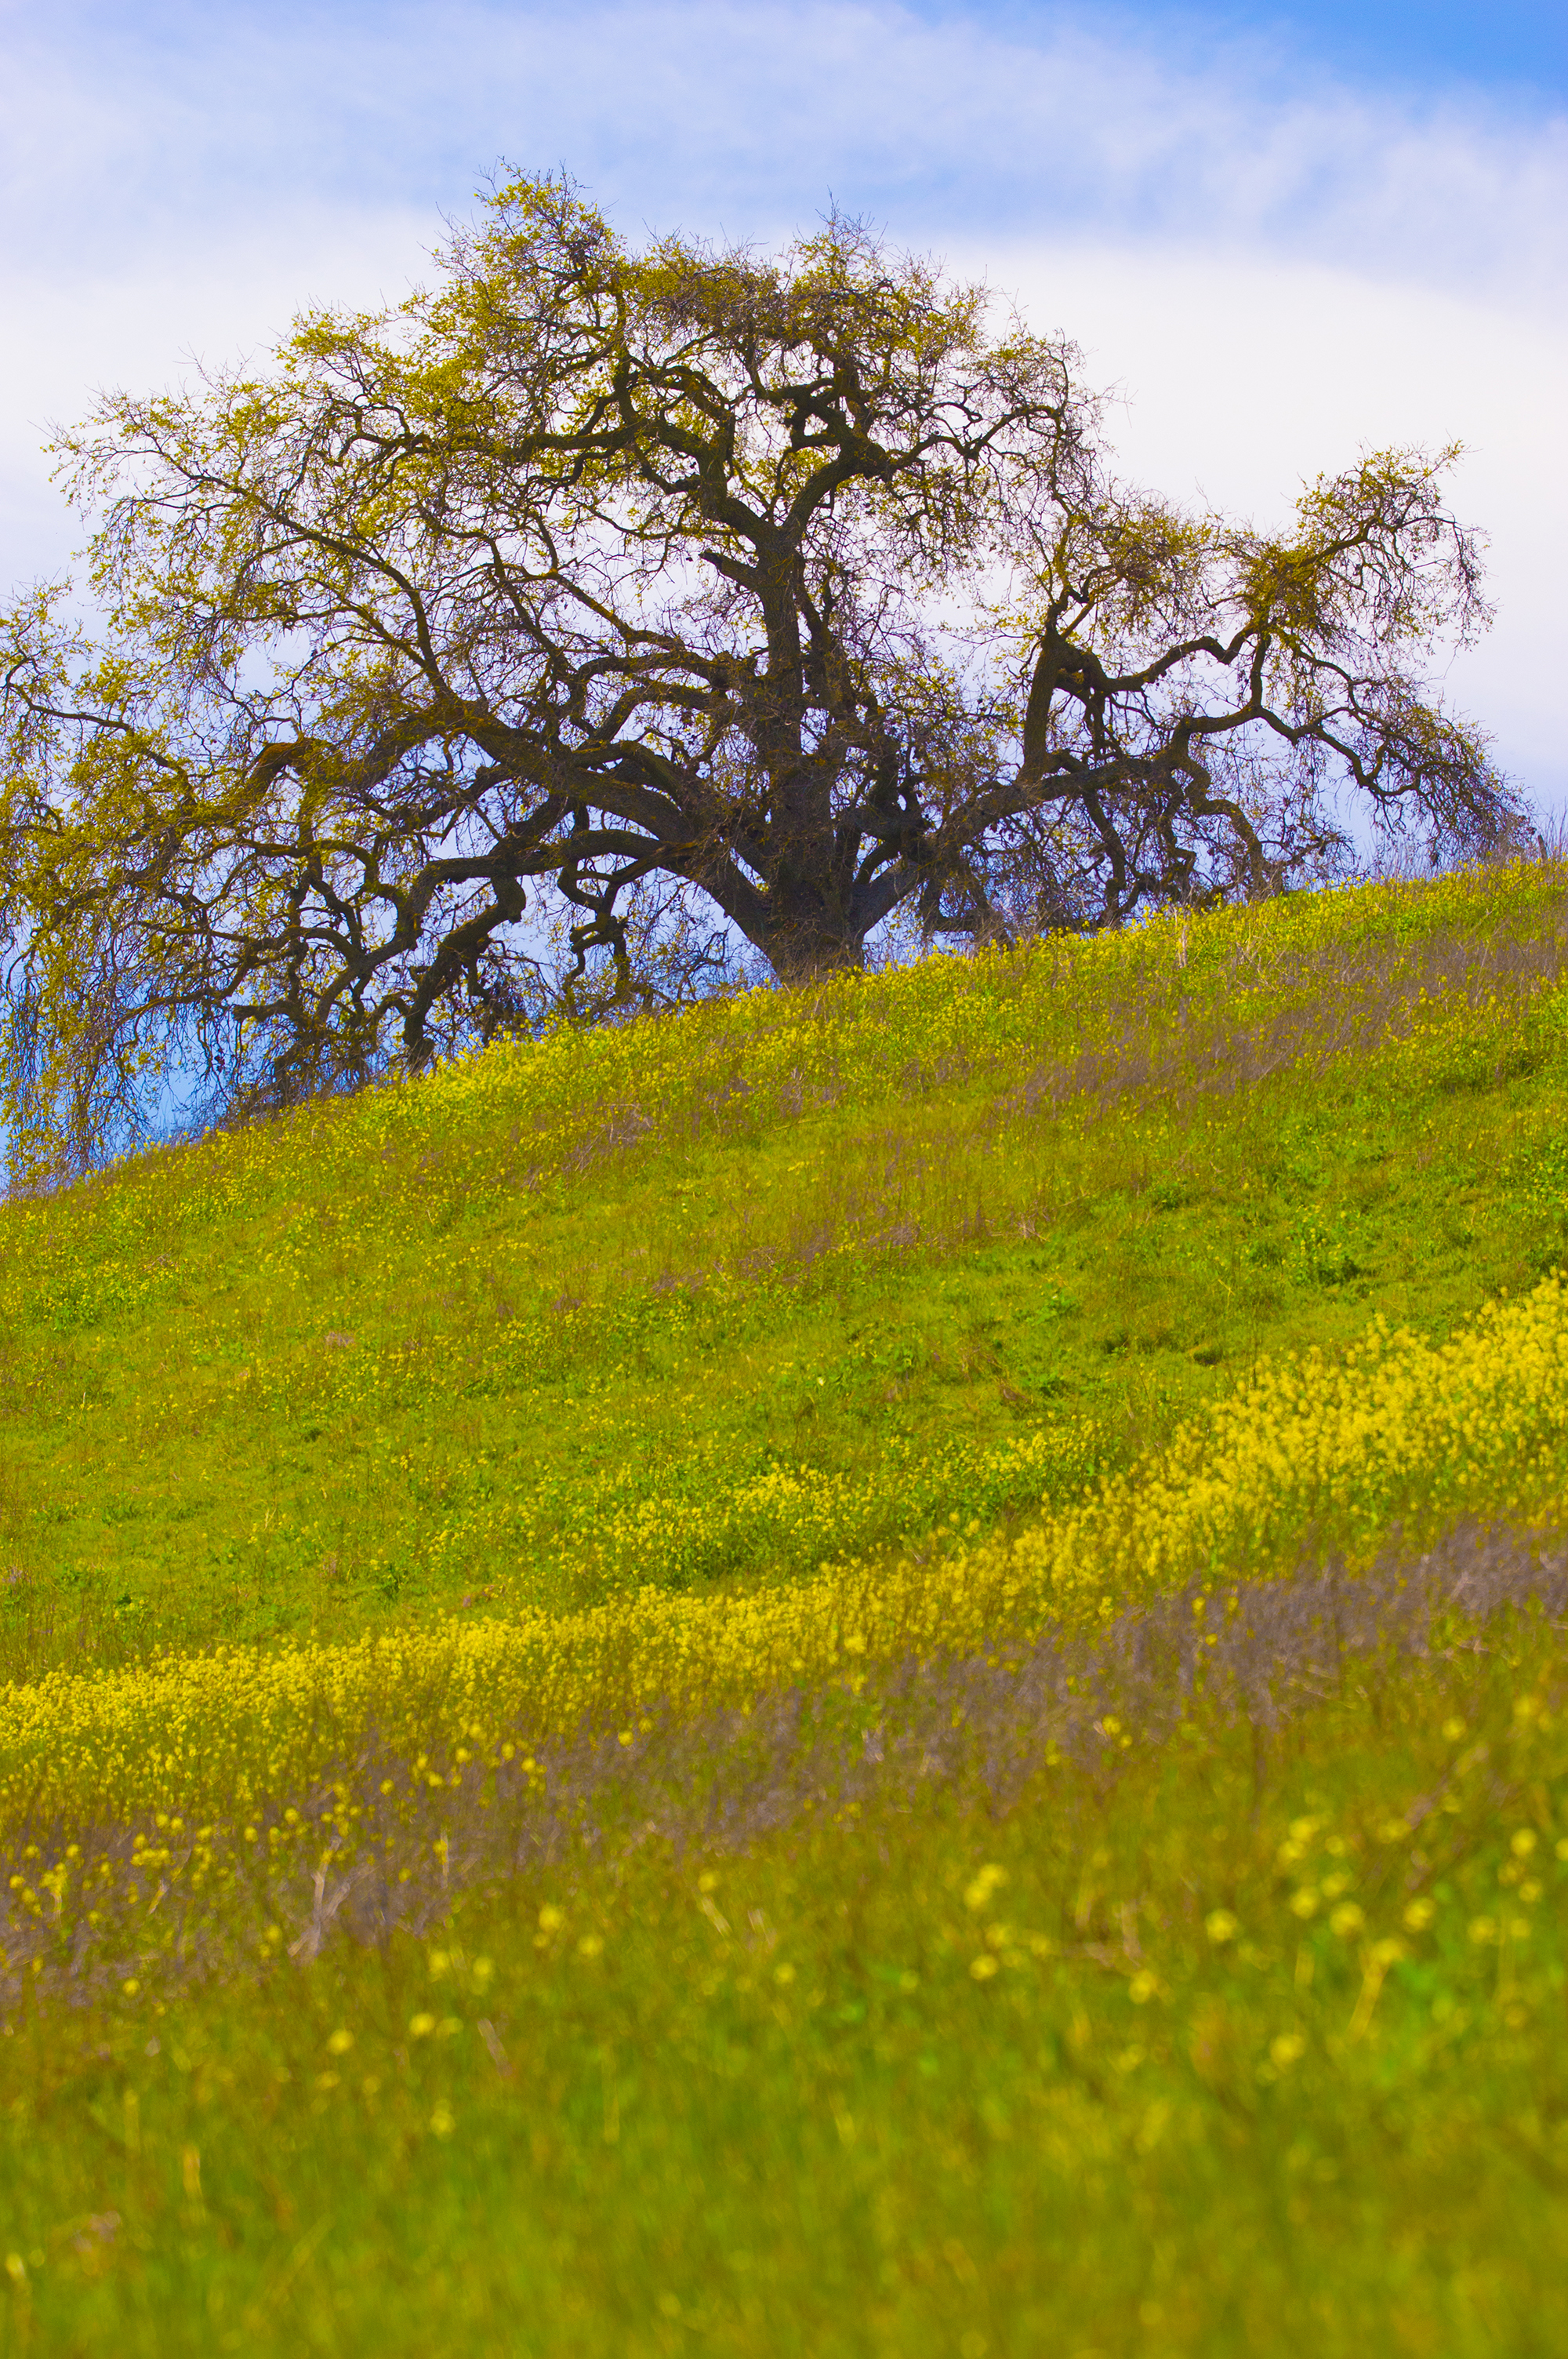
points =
(1278, 234)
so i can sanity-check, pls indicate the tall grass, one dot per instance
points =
(876, 1670)
(1216, 2030)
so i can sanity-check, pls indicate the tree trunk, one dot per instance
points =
(812, 950)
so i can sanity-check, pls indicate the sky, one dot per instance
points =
(1280, 236)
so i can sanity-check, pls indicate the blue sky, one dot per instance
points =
(1519, 48)
(1279, 233)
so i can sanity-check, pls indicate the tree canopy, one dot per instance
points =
(642, 600)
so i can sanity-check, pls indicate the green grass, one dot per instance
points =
(410, 1350)
(699, 1305)
(1046, 2060)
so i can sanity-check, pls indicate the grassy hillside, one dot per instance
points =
(671, 1690)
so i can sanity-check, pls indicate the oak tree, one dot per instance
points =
(675, 597)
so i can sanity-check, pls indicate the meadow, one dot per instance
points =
(873, 1670)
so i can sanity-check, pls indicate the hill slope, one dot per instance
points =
(621, 1631)
(708, 1299)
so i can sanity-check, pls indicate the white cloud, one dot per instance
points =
(1279, 271)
